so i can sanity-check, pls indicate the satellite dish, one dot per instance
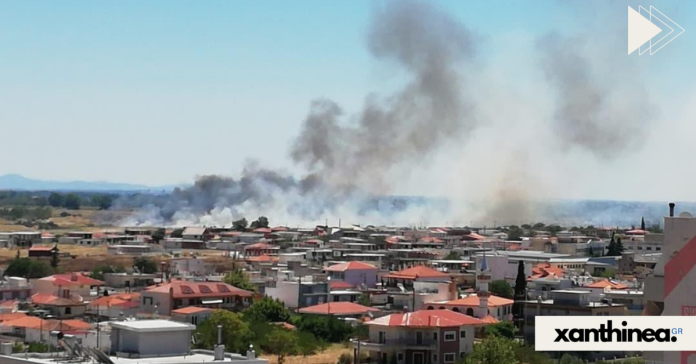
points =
(685, 214)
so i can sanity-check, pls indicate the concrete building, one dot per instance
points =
(354, 273)
(128, 280)
(299, 292)
(14, 288)
(71, 285)
(21, 239)
(426, 336)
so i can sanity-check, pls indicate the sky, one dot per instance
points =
(160, 92)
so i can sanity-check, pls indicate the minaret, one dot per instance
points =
(482, 279)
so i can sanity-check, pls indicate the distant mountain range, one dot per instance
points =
(18, 182)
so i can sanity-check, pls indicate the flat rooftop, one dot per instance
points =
(152, 325)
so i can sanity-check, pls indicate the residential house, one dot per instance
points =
(420, 273)
(130, 249)
(191, 266)
(297, 292)
(129, 279)
(259, 249)
(426, 336)
(59, 307)
(164, 298)
(21, 239)
(354, 273)
(340, 309)
(69, 285)
(192, 315)
(196, 233)
(498, 307)
(183, 244)
(115, 306)
(42, 251)
(14, 288)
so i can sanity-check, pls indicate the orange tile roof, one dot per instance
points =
(11, 316)
(430, 239)
(473, 301)
(263, 230)
(340, 285)
(115, 300)
(342, 267)
(27, 322)
(71, 279)
(475, 236)
(51, 300)
(260, 246)
(542, 270)
(186, 289)
(263, 259)
(191, 309)
(426, 318)
(338, 309)
(41, 248)
(286, 325)
(606, 283)
(420, 271)
(490, 320)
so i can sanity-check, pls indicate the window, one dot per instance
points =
(434, 358)
(462, 334)
(400, 357)
(147, 301)
(450, 335)
(382, 337)
(68, 310)
(435, 336)
(462, 355)
(450, 357)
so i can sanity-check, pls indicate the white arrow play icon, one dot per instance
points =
(640, 30)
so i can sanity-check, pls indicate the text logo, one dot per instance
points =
(614, 333)
(644, 27)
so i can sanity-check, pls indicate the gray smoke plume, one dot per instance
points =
(407, 126)
(348, 162)
(594, 111)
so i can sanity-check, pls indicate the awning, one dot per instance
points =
(211, 302)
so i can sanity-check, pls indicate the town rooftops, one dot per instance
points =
(606, 283)
(261, 246)
(194, 231)
(417, 272)
(348, 266)
(191, 310)
(427, 318)
(152, 326)
(72, 279)
(338, 309)
(474, 301)
(185, 289)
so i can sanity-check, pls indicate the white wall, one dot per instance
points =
(288, 292)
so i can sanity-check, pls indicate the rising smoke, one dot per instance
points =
(352, 160)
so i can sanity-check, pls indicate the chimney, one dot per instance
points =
(671, 209)
(219, 353)
(73, 277)
(251, 354)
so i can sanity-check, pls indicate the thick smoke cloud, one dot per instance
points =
(350, 161)
(593, 113)
(430, 110)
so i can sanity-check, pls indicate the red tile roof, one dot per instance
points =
(186, 289)
(191, 309)
(260, 246)
(420, 271)
(605, 283)
(426, 318)
(430, 239)
(338, 309)
(474, 236)
(473, 301)
(490, 320)
(340, 285)
(72, 279)
(263, 230)
(262, 259)
(11, 316)
(350, 266)
(542, 270)
(122, 300)
(51, 300)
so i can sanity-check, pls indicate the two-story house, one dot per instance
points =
(354, 273)
(426, 336)
(165, 298)
(70, 285)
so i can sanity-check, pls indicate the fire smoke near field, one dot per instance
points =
(351, 159)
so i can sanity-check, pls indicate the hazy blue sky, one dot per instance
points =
(157, 92)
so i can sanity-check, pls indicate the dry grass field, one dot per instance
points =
(328, 356)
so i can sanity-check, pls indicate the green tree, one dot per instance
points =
(514, 232)
(280, 342)
(504, 329)
(364, 299)
(240, 225)
(236, 334)
(145, 265)
(158, 235)
(267, 310)
(102, 201)
(527, 354)
(539, 226)
(261, 222)
(453, 256)
(609, 273)
(328, 328)
(501, 288)
(56, 200)
(615, 247)
(493, 349)
(570, 359)
(98, 272)
(240, 280)
(55, 259)
(308, 344)
(520, 282)
(72, 201)
(27, 268)
(177, 233)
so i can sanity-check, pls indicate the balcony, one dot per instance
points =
(396, 344)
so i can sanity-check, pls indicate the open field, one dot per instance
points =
(328, 356)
